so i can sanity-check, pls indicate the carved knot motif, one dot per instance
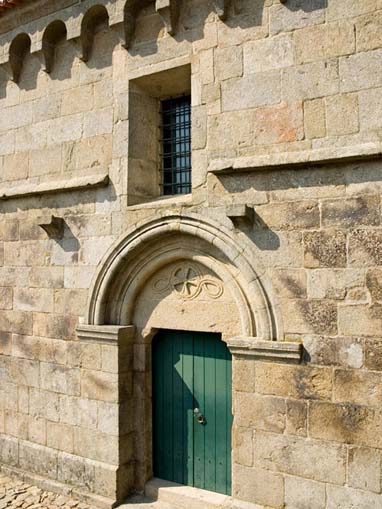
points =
(188, 282)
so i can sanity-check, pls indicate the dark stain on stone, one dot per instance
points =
(325, 249)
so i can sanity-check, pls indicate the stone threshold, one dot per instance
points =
(297, 160)
(178, 496)
(54, 186)
(58, 487)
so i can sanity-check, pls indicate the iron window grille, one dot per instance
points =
(176, 146)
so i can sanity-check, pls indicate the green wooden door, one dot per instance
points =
(191, 371)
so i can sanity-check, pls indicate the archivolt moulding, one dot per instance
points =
(155, 243)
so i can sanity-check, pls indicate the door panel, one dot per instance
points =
(192, 370)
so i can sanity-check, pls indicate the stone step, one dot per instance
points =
(144, 503)
(160, 494)
(185, 497)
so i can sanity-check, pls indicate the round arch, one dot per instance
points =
(155, 243)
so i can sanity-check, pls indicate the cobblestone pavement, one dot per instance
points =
(15, 494)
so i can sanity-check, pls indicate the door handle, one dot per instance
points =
(199, 416)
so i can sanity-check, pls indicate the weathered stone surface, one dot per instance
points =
(300, 382)
(38, 459)
(365, 248)
(358, 387)
(373, 354)
(284, 19)
(307, 458)
(359, 320)
(251, 91)
(258, 486)
(243, 446)
(345, 423)
(290, 216)
(364, 467)
(360, 71)
(324, 41)
(303, 494)
(341, 351)
(310, 316)
(342, 498)
(99, 385)
(368, 31)
(370, 107)
(268, 54)
(96, 446)
(296, 418)
(353, 212)
(310, 81)
(325, 249)
(290, 283)
(258, 412)
(338, 284)
(229, 63)
(243, 375)
(278, 124)
(314, 118)
(60, 436)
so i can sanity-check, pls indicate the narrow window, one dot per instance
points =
(176, 146)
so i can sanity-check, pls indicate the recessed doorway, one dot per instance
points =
(192, 410)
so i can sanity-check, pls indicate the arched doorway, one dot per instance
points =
(177, 273)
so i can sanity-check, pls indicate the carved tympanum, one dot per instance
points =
(188, 282)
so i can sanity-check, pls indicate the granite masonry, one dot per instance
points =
(278, 247)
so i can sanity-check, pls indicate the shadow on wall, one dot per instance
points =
(58, 54)
(305, 5)
(242, 14)
(58, 204)
(293, 186)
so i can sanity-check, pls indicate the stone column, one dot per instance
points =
(107, 377)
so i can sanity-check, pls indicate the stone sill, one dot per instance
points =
(55, 186)
(296, 160)
(163, 201)
(273, 351)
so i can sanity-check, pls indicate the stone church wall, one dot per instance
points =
(286, 119)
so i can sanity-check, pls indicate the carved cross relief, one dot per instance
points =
(187, 281)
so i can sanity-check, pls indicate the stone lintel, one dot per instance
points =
(296, 160)
(110, 334)
(272, 351)
(55, 186)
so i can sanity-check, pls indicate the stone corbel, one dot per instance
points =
(222, 7)
(241, 215)
(169, 12)
(53, 226)
(272, 351)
